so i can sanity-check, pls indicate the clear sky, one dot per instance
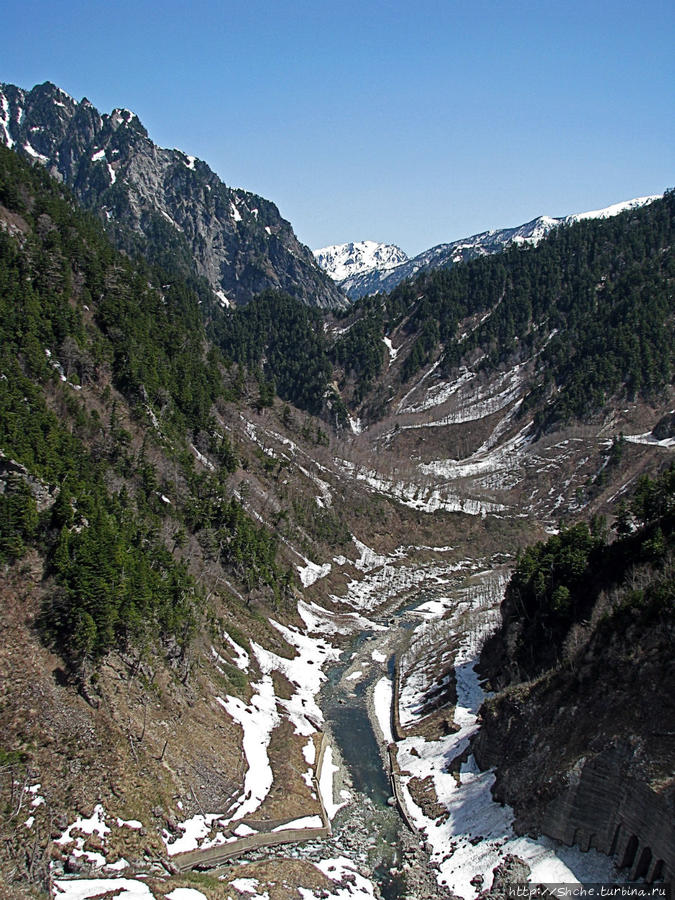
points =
(412, 123)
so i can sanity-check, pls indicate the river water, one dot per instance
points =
(389, 850)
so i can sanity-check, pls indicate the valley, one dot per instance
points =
(306, 598)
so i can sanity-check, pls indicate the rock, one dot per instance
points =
(75, 865)
(236, 240)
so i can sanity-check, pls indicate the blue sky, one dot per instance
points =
(411, 123)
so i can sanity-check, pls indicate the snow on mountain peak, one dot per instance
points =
(357, 269)
(614, 209)
(341, 261)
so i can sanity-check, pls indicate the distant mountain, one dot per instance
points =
(376, 279)
(170, 206)
(344, 262)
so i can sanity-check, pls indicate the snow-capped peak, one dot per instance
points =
(342, 260)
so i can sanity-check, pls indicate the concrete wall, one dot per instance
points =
(617, 815)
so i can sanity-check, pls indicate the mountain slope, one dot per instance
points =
(505, 384)
(165, 619)
(380, 279)
(186, 218)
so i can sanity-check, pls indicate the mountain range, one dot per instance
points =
(247, 553)
(370, 268)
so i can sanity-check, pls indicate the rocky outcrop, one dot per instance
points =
(511, 871)
(583, 750)
(13, 472)
(181, 211)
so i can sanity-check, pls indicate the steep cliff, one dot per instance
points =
(174, 204)
(582, 732)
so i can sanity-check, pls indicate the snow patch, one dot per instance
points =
(382, 700)
(304, 822)
(648, 438)
(87, 888)
(393, 353)
(328, 770)
(5, 122)
(183, 893)
(312, 572)
(31, 152)
(258, 719)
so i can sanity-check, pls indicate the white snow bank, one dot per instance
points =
(328, 770)
(183, 893)
(86, 888)
(382, 699)
(648, 438)
(257, 719)
(393, 352)
(304, 822)
(352, 885)
(304, 672)
(312, 572)
(194, 831)
(242, 660)
(369, 559)
(321, 620)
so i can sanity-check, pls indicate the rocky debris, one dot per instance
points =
(512, 870)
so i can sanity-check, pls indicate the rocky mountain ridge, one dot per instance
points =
(358, 281)
(345, 261)
(184, 214)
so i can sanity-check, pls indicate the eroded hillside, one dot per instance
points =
(203, 512)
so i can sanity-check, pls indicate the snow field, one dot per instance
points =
(476, 833)
(328, 770)
(257, 719)
(311, 572)
(318, 619)
(89, 888)
(423, 497)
